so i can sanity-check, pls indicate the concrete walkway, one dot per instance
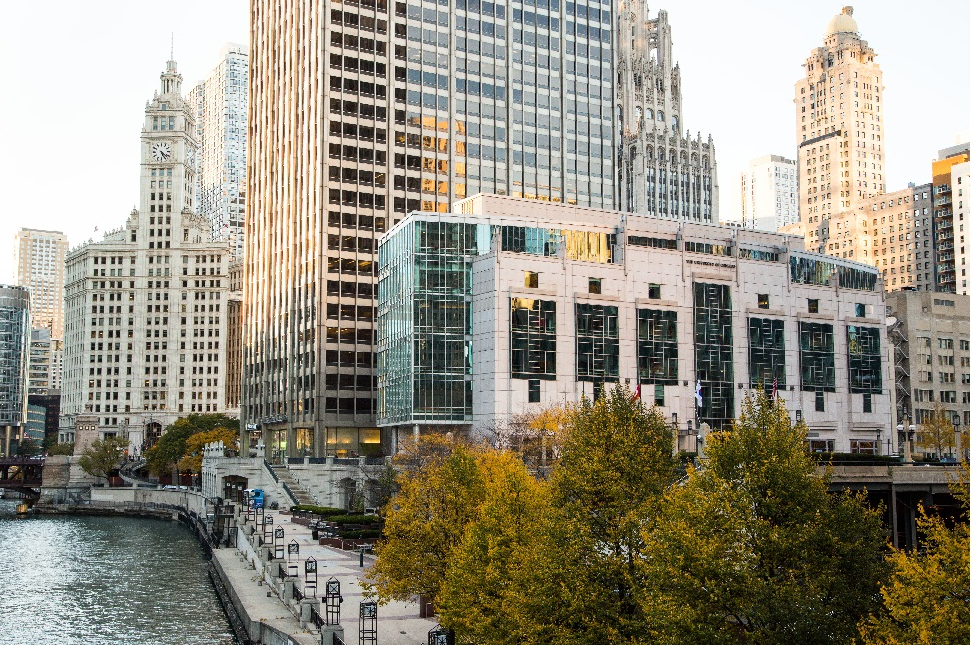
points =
(398, 622)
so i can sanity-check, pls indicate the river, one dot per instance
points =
(72, 580)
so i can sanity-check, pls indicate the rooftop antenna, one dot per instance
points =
(172, 46)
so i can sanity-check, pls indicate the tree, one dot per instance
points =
(937, 434)
(171, 447)
(191, 460)
(482, 596)
(440, 486)
(753, 548)
(103, 456)
(615, 465)
(926, 599)
(61, 449)
(29, 447)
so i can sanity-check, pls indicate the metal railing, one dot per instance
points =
(317, 619)
(273, 473)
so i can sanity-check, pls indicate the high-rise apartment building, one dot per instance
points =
(373, 109)
(145, 309)
(46, 362)
(664, 171)
(39, 265)
(890, 231)
(219, 103)
(769, 193)
(15, 326)
(950, 182)
(839, 129)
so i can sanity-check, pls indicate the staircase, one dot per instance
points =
(298, 493)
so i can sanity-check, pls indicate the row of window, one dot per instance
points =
(533, 343)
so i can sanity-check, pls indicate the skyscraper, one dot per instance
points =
(14, 359)
(372, 110)
(839, 129)
(950, 185)
(146, 306)
(39, 265)
(219, 103)
(769, 193)
(664, 171)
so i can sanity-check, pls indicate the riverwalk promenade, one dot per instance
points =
(272, 600)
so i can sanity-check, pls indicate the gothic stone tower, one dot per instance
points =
(661, 172)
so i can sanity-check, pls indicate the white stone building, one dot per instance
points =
(145, 307)
(220, 108)
(514, 305)
(769, 193)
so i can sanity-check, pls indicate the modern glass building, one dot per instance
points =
(15, 325)
(514, 305)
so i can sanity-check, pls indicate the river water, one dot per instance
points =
(69, 580)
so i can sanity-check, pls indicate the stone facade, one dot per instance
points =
(551, 303)
(664, 171)
(930, 332)
(39, 264)
(146, 307)
(950, 182)
(839, 127)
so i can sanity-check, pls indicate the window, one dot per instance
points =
(860, 310)
(820, 445)
(864, 358)
(660, 395)
(818, 403)
(657, 347)
(813, 306)
(945, 343)
(867, 402)
(767, 355)
(863, 446)
(763, 300)
(817, 371)
(533, 339)
(594, 285)
(713, 353)
(531, 279)
(533, 386)
(597, 342)
(947, 396)
(654, 291)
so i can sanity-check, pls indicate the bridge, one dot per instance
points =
(22, 474)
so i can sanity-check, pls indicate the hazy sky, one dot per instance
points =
(74, 78)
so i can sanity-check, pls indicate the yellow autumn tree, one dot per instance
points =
(937, 434)
(926, 599)
(440, 488)
(191, 461)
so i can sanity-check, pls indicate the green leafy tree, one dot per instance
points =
(29, 447)
(926, 599)
(615, 465)
(61, 449)
(753, 548)
(103, 456)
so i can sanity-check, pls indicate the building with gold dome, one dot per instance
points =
(840, 137)
(664, 171)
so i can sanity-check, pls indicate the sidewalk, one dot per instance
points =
(398, 622)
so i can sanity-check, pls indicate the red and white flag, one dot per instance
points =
(637, 394)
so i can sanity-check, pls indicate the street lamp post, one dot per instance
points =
(956, 423)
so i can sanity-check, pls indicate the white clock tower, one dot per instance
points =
(168, 149)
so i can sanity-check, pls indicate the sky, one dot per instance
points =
(74, 78)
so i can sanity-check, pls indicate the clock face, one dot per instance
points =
(161, 151)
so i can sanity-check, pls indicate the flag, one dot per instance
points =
(698, 393)
(637, 394)
(773, 393)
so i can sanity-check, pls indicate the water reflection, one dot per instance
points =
(104, 580)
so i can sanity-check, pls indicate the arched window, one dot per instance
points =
(661, 116)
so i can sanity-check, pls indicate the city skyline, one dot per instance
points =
(754, 119)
